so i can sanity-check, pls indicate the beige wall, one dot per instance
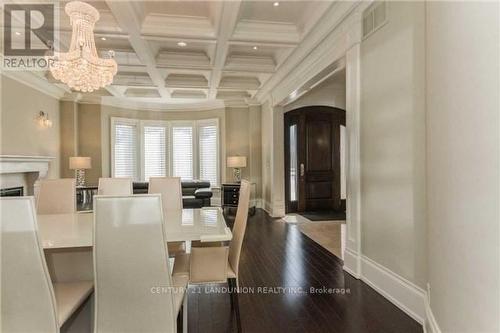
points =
(89, 138)
(463, 165)
(69, 136)
(392, 122)
(21, 135)
(243, 138)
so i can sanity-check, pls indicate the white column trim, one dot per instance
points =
(353, 163)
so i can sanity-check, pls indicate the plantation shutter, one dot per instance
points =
(125, 150)
(182, 152)
(207, 136)
(155, 152)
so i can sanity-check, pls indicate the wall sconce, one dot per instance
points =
(43, 120)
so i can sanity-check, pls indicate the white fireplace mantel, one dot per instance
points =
(33, 167)
(22, 164)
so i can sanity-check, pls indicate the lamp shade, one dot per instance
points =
(237, 161)
(78, 162)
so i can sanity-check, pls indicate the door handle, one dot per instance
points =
(301, 169)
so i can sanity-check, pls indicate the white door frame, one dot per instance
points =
(343, 42)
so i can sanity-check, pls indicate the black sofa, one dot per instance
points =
(195, 194)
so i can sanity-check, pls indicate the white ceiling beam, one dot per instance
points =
(263, 44)
(129, 21)
(155, 38)
(226, 25)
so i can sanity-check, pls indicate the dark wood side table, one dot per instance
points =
(230, 194)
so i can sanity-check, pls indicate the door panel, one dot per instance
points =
(315, 155)
(318, 145)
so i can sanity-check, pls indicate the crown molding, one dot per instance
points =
(182, 105)
(36, 82)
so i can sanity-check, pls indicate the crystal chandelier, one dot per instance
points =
(81, 68)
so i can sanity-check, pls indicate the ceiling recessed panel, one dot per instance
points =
(183, 59)
(133, 79)
(286, 12)
(239, 82)
(142, 92)
(232, 95)
(189, 94)
(186, 81)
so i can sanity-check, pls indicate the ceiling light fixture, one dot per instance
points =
(18, 33)
(103, 38)
(255, 47)
(81, 68)
(181, 44)
(276, 4)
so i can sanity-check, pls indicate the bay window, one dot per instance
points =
(188, 149)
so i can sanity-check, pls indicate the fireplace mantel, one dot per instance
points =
(34, 167)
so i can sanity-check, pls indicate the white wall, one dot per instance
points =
(392, 122)
(463, 141)
(20, 133)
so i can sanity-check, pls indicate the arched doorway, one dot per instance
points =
(314, 170)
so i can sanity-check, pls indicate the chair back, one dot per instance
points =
(131, 267)
(240, 225)
(170, 189)
(28, 303)
(56, 196)
(114, 186)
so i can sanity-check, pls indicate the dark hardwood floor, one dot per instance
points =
(277, 254)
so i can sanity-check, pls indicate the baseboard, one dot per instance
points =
(351, 263)
(257, 203)
(431, 325)
(267, 207)
(399, 291)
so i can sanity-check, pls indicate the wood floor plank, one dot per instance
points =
(277, 254)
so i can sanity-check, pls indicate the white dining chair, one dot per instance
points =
(134, 291)
(30, 302)
(114, 186)
(56, 196)
(219, 264)
(170, 189)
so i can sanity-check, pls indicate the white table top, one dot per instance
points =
(75, 230)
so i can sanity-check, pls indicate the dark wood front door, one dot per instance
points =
(312, 158)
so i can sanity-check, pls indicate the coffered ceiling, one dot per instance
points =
(187, 51)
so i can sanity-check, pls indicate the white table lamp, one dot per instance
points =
(80, 164)
(237, 162)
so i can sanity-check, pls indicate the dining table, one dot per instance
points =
(75, 230)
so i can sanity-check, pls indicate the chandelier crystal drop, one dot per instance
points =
(81, 68)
